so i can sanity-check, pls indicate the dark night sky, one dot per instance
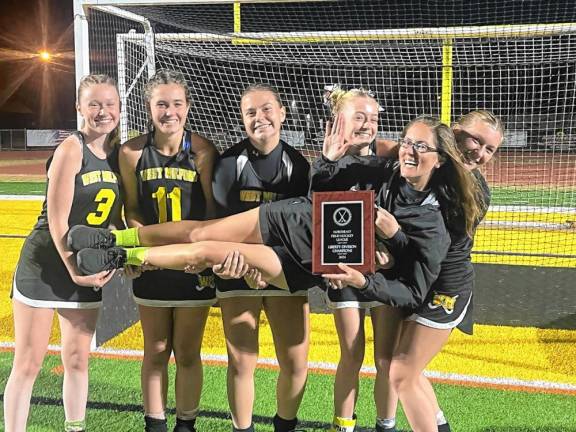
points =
(25, 24)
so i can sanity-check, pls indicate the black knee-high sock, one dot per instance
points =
(283, 425)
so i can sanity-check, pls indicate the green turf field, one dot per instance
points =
(114, 402)
(500, 195)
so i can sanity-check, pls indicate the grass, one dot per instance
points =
(114, 402)
(22, 188)
(500, 195)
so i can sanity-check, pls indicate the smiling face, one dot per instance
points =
(99, 105)
(360, 121)
(478, 141)
(416, 167)
(168, 108)
(263, 116)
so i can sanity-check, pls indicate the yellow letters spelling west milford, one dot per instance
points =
(98, 177)
(257, 196)
(170, 173)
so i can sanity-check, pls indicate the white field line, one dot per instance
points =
(331, 367)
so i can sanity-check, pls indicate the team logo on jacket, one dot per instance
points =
(444, 301)
(205, 282)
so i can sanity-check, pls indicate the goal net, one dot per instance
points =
(517, 59)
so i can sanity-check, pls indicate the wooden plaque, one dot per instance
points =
(343, 231)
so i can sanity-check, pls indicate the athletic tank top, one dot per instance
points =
(96, 190)
(169, 187)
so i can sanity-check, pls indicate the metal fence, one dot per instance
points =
(31, 139)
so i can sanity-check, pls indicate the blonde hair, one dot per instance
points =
(457, 189)
(339, 97)
(485, 116)
(113, 138)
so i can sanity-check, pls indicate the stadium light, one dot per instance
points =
(45, 56)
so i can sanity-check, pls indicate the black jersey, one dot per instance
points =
(169, 187)
(244, 178)
(96, 191)
(41, 278)
(350, 172)
(419, 247)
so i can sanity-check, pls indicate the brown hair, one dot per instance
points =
(262, 87)
(456, 187)
(86, 81)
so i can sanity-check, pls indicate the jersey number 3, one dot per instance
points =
(105, 199)
(175, 197)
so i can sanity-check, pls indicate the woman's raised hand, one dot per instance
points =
(334, 145)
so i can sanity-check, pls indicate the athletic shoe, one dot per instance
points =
(444, 428)
(92, 261)
(84, 237)
(385, 429)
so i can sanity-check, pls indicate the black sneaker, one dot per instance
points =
(385, 429)
(83, 237)
(444, 428)
(92, 261)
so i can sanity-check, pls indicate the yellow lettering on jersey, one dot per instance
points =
(206, 281)
(175, 173)
(91, 178)
(109, 177)
(151, 174)
(269, 196)
(250, 196)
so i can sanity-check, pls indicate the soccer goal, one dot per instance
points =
(517, 59)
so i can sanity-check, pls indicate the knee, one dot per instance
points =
(27, 369)
(402, 376)
(187, 360)
(75, 360)
(382, 364)
(352, 358)
(242, 364)
(157, 353)
(294, 368)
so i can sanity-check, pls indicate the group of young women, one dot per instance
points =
(246, 217)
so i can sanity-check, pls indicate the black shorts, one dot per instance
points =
(42, 280)
(286, 226)
(447, 305)
(171, 288)
(349, 298)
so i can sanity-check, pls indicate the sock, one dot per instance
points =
(127, 237)
(440, 419)
(136, 256)
(283, 425)
(343, 424)
(155, 424)
(385, 424)
(185, 425)
(444, 428)
(74, 425)
(248, 429)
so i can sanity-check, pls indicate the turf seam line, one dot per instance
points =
(327, 367)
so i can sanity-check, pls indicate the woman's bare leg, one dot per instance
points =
(77, 327)
(241, 319)
(188, 331)
(241, 228)
(289, 319)
(351, 335)
(32, 327)
(199, 256)
(386, 324)
(157, 326)
(417, 346)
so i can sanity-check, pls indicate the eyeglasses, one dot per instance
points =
(418, 146)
